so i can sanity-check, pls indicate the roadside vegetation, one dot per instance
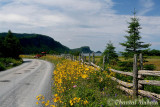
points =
(10, 50)
(6, 63)
(78, 85)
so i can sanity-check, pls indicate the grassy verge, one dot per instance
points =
(77, 85)
(7, 63)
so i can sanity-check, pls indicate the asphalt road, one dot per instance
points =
(19, 86)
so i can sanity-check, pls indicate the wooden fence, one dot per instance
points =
(136, 88)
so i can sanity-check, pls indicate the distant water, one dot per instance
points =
(86, 54)
(96, 54)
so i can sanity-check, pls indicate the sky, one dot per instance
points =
(77, 23)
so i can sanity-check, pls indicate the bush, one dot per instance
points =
(149, 67)
(9, 62)
(2, 67)
(125, 66)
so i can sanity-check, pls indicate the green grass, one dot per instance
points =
(7, 63)
(98, 90)
(155, 60)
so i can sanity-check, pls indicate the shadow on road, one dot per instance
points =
(27, 61)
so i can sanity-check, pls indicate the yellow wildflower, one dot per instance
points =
(71, 102)
(75, 98)
(87, 69)
(56, 99)
(85, 102)
(52, 106)
(78, 100)
(47, 103)
(84, 76)
(147, 81)
(101, 79)
(43, 102)
(55, 95)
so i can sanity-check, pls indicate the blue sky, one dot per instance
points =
(77, 23)
(143, 7)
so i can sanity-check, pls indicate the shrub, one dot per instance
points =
(9, 62)
(149, 67)
(125, 65)
(2, 67)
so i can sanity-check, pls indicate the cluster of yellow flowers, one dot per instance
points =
(68, 72)
(56, 98)
(41, 101)
(66, 75)
(77, 100)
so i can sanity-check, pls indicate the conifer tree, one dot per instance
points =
(12, 46)
(133, 45)
(1, 47)
(110, 52)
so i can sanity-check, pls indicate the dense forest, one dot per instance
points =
(36, 43)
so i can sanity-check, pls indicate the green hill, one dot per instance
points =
(84, 49)
(36, 43)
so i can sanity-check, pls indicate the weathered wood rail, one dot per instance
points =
(136, 87)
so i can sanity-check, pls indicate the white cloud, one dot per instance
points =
(73, 22)
(13, 18)
(147, 6)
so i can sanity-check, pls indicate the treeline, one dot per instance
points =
(153, 52)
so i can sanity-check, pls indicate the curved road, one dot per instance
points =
(19, 86)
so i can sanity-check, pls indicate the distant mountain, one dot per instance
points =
(98, 52)
(36, 43)
(84, 49)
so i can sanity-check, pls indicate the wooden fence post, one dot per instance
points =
(108, 58)
(89, 58)
(141, 61)
(104, 60)
(93, 56)
(135, 76)
(79, 57)
(84, 58)
(141, 68)
(71, 57)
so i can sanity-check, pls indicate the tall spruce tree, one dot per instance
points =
(133, 45)
(110, 52)
(12, 46)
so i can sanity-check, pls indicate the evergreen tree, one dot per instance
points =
(133, 45)
(110, 52)
(1, 47)
(12, 46)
